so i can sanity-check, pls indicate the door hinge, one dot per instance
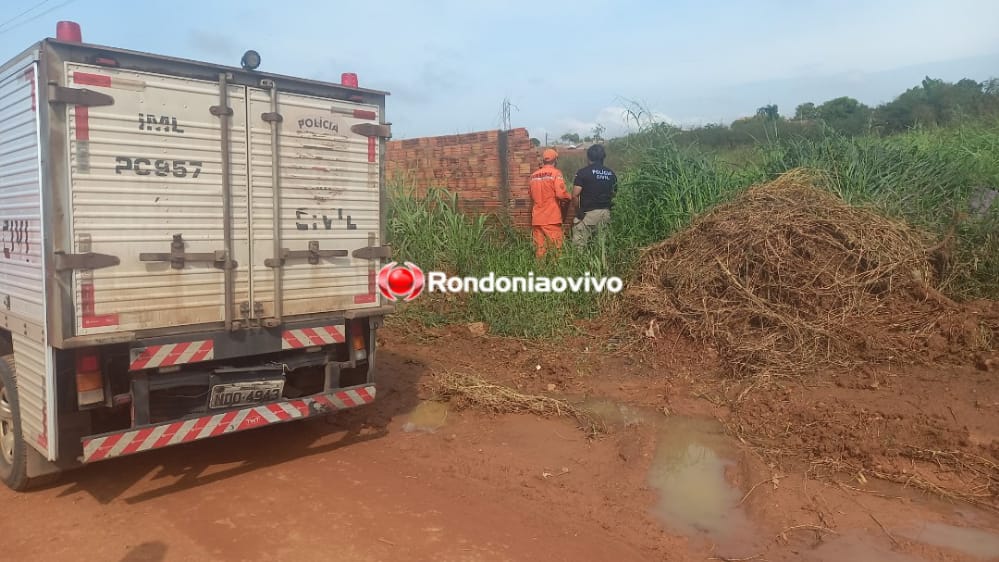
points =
(372, 130)
(372, 252)
(313, 254)
(78, 96)
(88, 260)
(178, 257)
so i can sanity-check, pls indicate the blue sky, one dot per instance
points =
(564, 65)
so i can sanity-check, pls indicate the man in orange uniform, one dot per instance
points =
(547, 191)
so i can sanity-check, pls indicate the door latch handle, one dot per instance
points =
(178, 257)
(313, 255)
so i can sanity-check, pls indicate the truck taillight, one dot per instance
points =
(357, 339)
(89, 379)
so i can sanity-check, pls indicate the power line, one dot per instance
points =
(31, 9)
(35, 17)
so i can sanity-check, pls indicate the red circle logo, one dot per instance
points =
(400, 281)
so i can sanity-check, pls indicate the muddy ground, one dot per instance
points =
(692, 467)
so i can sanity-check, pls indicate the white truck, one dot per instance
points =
(188, 250)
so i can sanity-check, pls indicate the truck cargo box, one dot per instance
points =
(159, 206)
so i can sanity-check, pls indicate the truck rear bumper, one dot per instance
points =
(140, 439)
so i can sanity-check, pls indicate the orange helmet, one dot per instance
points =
(549, 155)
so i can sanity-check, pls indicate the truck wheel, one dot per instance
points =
(13, 456)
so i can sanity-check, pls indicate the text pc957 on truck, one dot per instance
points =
(188, 250)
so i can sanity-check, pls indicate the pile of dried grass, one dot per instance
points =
(465, 391)
(789, 277)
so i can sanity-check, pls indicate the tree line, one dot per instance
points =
(932, 103)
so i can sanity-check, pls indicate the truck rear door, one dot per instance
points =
(148, 185)
(328, 204)
(176, 180)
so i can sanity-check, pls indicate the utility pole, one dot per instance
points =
(507, 119)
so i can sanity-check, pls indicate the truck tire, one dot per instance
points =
(13, 449)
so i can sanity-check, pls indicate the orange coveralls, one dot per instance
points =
(547, 189)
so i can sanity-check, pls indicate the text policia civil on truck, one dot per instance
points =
(160, 282)
(406, 282)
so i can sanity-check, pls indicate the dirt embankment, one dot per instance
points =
(840, 351)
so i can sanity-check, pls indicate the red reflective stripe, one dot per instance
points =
(363, 393)
(145, 357)
(301, 406)
(206, 347)
(334, 333)
(104, 448)
(82, 111)
(289, 337)
(324, 401)
(253, 419)
(171, 430)
(371, 149)
(87, 307)
(175, 353)
(347, 400)
(278, 411)
(88, 79)
(196, 429)
(313, 336)
(372, 287)
(29, 75)
(140, 438)
(87, 299)
(365, 114)
(82, 122)
(223, 423)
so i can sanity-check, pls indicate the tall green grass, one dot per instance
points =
(925, 177)
(432, 232)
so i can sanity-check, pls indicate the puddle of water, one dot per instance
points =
(976, 542)
(689, 473)
(855, 548)
(428, 416)
(612, 414)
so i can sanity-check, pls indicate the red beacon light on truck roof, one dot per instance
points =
(69, 31)
(349, 79)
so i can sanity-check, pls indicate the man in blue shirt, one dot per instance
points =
(593, 189)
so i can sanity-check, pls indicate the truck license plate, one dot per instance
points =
(235, 394)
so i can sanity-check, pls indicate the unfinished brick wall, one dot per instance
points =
(489, 171)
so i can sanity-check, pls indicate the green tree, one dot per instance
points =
(570, 137)
(805, 111)
(598, 132)
(768, 112)
(535, 142)
(846, 115)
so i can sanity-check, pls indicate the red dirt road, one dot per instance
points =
(319, 491)
(360, 487)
